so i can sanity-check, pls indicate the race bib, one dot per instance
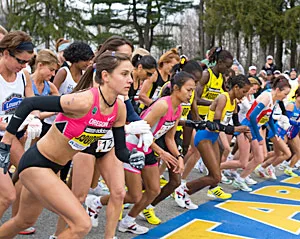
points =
(5, 118)
(106, 143)
(164, 129)
(89, 136)
(156, 93)
(264, 120)
(227, 117)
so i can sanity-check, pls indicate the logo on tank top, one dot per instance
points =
(95, 109)
(11, 103)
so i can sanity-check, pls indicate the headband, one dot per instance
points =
(63, 46)
(25, 46)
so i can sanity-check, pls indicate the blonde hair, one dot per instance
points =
(168, 56)
(253, 81)
(141, 52)
(46, 57)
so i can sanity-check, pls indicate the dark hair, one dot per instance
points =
(178, 79)
(191, 66)
(280, 82)
(107, 61)
(147, 62)
(217, 54)
(78, 51)
(12, 40)
(113, 43)
(239, 80)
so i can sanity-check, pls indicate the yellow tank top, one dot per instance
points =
(211, 90)
(226, 113)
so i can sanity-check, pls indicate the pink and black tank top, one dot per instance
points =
(161, 127)
(84, 131)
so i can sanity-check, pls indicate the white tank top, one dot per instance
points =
(65, 88)
(11, 96)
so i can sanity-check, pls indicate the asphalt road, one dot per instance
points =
(166, 210)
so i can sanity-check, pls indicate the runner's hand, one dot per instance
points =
(168, 159)
(28, 119)
(146, 140)
(4, 156)
(137, 127)
(180, 166)
(137, 159)
(34, 128)
(242, 129)
(199, 125)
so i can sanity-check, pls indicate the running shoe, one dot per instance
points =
(100, 190)
(179, 196)
(260, 172)
(230, 173)
(250, 181)
(53, 237)
(188, 202)
(132, 227)
(150, 216)
(283, 165)
(270, 171)
(92, 209)
(217, 192)
(240, 185)
(289, 172)
(297, 165)
(225, 180)
(163, 181)
(28, 231)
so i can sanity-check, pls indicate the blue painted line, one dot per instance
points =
(231, 222)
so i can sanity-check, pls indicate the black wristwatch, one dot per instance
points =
(180, 155)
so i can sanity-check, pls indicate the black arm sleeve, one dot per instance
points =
(217, 126)
(235, 119)
(282, 107)
(43, 103)
(121, 150)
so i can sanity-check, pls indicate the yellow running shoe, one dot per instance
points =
(217, 192)
(151, 217)
(289, 172)
(121, 214)
(163, 181)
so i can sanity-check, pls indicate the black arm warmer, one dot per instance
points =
(43, 103)
(282, 107)
(121, 150)
(228, 129)
(235, 119)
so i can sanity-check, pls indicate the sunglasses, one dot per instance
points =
(22, 62)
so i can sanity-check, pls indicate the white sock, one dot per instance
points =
(240, 179)
(149, 206)
(128, 219)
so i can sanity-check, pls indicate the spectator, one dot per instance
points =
(269, 67)
(252, 71)
(277, 73)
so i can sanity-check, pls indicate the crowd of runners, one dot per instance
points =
(100, 129)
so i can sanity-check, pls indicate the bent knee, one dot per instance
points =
(118, 194)
(82, 227)
(8, 198)
(134, 198)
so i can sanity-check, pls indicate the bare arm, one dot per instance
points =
(199, 90)
(59, 78)
(147, 84)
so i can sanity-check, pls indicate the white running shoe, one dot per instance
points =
(179, 196)
(250, 181)
(53, 237)
(283, 165)
(225, 180)
(270, 171)
(260, 172)
(230, 173)
(297, 165)
(100, 190)
(132, 227)
(241, 185)
(188, 202)
(92, 209)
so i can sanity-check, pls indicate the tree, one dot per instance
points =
(141, 15)
(47, 20)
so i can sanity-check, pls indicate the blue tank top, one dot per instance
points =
(46, 90)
